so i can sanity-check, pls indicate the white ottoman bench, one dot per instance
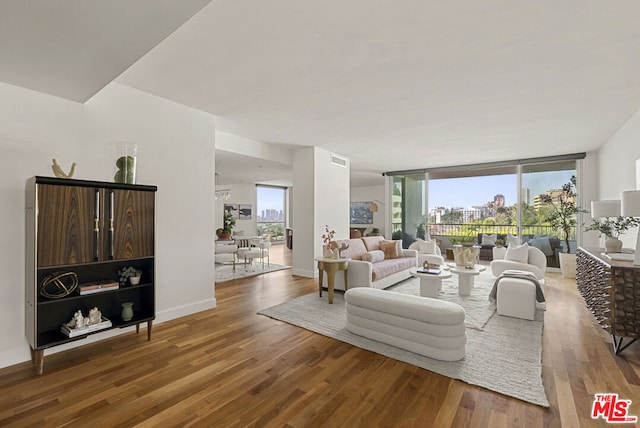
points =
(516, 298)
(430, 327)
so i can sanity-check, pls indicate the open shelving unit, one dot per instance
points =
(89, 230)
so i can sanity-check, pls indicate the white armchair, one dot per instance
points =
(536, 263)
(225, 253)
(427, 251)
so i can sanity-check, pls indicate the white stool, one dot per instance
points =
(225, 254)
(265, 246)
(516, 298)
(255, 253)
(242, 251)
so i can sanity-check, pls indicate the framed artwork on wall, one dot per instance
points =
(245, 212)
(233, 208)
(360, 213)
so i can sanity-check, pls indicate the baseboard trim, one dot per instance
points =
(305, 273)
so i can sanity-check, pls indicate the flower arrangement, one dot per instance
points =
(613, 228)
(327, 237)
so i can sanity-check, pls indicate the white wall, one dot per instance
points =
(617, 166)
(368, 194)
(322, 198)
(176, 153)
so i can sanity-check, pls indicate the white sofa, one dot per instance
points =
(380, 274)
(430, 327)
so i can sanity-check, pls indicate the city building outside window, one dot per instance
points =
(271, 214)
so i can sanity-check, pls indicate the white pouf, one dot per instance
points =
(516, 298)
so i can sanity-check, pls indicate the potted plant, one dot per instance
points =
(228, 223)
(130, 273)
(612, 229)
(562, 217)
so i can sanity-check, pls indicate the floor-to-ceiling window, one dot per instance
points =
(463, 204)
(408, 208)
(271, 212)
(460, 203)
(540, 180)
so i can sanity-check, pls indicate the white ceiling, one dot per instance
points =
(392, 85)
(73, 48)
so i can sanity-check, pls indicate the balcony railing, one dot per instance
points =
(452, 229)
(471, 230)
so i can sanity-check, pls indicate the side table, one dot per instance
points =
(430, 284)
(466, 278)
(331, 266)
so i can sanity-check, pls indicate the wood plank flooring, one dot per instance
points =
(230, 367)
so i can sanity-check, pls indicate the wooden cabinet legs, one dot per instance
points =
(37, 358)
(149, 324)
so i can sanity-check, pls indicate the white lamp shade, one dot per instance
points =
(608, 208)
(631, 203)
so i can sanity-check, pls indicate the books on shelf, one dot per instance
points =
(432, 271)
(80, 331)
(98, 287)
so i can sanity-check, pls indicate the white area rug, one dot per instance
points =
(224, 272)
(504, 355)
(477, 305)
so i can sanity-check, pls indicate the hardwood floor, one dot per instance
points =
(231, 367)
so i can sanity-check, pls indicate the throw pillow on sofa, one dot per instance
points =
(373, 256)
(390, 249)
(512, 240)
(518, 253)
(489, 239)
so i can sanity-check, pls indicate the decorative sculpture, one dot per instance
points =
(59, 284)
(79, 321)
(58, 172)
(95, 316)
(465, 256)
(343, 247)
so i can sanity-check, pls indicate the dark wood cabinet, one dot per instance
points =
(611, 290)
(86, 231)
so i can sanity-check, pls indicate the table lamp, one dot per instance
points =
(607, 209)
(631, 208)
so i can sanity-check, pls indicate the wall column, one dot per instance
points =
(321, 183)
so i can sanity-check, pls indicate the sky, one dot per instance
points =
(468, 191)
(270, 198)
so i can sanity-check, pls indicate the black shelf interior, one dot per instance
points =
(56, 337)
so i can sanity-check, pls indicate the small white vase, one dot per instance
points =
(613, 245)
(134, 280)
(327, 252)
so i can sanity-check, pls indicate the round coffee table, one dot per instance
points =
(431, 283)
(466, 277)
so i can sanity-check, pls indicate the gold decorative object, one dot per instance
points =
(58, 172)
(59, 284)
